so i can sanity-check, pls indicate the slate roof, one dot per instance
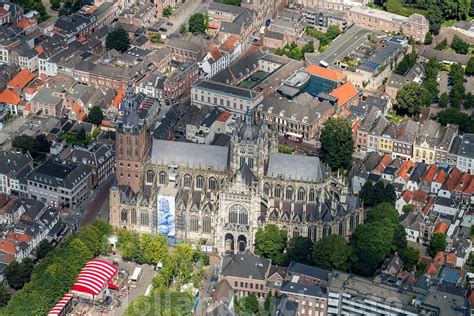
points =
(302, 289)
(306, 270)
(245, 265)
(190, 154)
(295, 167)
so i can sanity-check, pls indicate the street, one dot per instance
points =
(94, 206)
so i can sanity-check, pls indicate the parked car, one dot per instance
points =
(169, 23)
(162, 29)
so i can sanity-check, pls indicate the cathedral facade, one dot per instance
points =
(219, 196)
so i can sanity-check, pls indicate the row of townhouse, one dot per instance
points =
(428, 142)
(438, 180)
(24, 223)
(64, 183)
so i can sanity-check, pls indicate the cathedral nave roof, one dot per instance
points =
(295, 167)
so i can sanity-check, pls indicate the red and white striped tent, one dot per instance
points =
(94, 278)
(59, 307)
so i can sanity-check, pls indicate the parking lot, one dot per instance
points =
(25, 125)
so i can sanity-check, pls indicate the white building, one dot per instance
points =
(465, 156)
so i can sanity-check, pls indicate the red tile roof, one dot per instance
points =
(463, 182)
(215, 53)
(23, 23)
(403, 172)
(21, 79)
(326, 73)
(407, 196)
(429, 175)
(222, 117)
(229, 44)
(440, 176)
(8, 246)
(383, 163)
(3, 11)
(428, 205)
(419, 196)
(118, 98)
(345, 93)
(9, 97)
(18, 237)
(453, 179)
(470, 188)
(441, 228)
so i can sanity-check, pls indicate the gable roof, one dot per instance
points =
(326, 73)
(345, 93)
(21, 79)
(9, 97)
(404, 170)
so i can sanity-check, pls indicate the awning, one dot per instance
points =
(58, 308)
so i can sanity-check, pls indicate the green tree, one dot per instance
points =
(17, 274)
(442, 45)
(270, 242)
(25, 143)
(454, 116)
(371, 244)
(44, 247)
(183, 29)
(406, 64)
(5, 295)
(42, 143)
(331, 252)
(81, 134)
(459, 46)
(55, 4)
(337, 143)
(367, 194)
(383, 212)
(118, 39)
(300, 249)
(410, 258)
(167, 11)
(268, 301)
(469, 102)
(470, 67)
(198, 22)
(231, 2)
(95, 115)
(408, 208)
(436, 19)
(437, 243)
(250, 303)
(412, 97)
(444, 100)
(428, 39)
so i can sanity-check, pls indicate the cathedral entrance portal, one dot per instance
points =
(242, 243)
(229, 243)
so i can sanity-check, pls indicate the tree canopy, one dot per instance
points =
(118, 39)
(5, 295)
(454, 116)
(380, 193)
(337, 143)
(55, 274)
(35, 146)
(331, 252)
(412, 97)
(198, 22)
(270, 242)
(95, 115)
(300, 249)
(437, 243)
(406, 64)
(17, 274)
(459, 46)
(470, 67)
(378, 238)
(410, 258)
